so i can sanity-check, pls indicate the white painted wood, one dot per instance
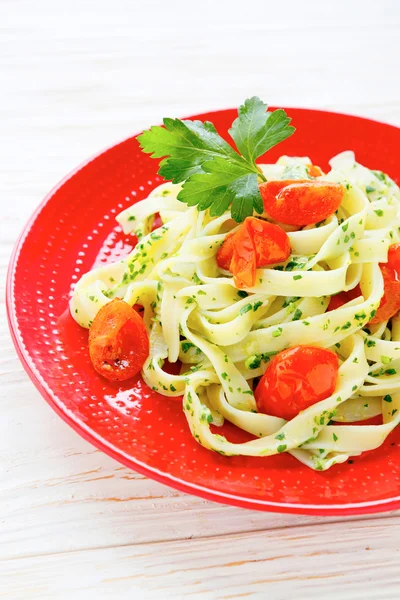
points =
(76, 77)
(298, 563)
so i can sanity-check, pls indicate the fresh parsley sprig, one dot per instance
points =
(215, 176)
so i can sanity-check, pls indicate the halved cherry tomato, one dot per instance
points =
(390, 301)
(301, 202)
(118, 341)
(244, 259)
(344, 297)
(256, 243)
(295, 379)
(394, 258)
(224, 254)
(314, 170)
(271, 242)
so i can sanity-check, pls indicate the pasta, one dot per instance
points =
(225, 337)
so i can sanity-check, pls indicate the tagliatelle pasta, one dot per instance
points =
(225, 337)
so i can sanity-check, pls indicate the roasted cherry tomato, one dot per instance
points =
(271, 242)
(244, 260)
(224, 254)
(295, 379)
(394, 258)
(314, 170)
(390, 301)
(256, 243)
(301, 202)
(118, 341)
(344, 297)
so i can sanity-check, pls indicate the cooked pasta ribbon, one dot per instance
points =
(224, 337)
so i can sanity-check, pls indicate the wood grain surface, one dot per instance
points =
(79, 76)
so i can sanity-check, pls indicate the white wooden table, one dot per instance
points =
(78, 76)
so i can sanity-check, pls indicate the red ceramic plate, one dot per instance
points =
(73, 229)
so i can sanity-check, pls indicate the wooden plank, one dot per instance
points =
(269, 564)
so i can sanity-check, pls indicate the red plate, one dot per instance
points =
(73, 229)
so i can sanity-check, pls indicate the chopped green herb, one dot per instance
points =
(387, 398)
(253, 362)
(297, 314)
(290, 300)
(360, 316)
(296, 277)
(245, 309)
(186, 346)
(282, 448)
(277, 332)
(291, 265)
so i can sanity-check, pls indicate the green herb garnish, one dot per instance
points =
(215, 176)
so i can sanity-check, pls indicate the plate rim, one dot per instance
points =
(120, 456)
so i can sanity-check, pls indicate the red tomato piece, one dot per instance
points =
(314, 170)
(295, 379)
(157, 222)
(390, 301)
(118, 341)
(271, 242)
(256, 243)
(224, 254)
(301, 202)
(244, 260)
(344, 297)
(394, 258)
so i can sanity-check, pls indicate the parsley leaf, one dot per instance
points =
(255, 130)
(215, 176)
